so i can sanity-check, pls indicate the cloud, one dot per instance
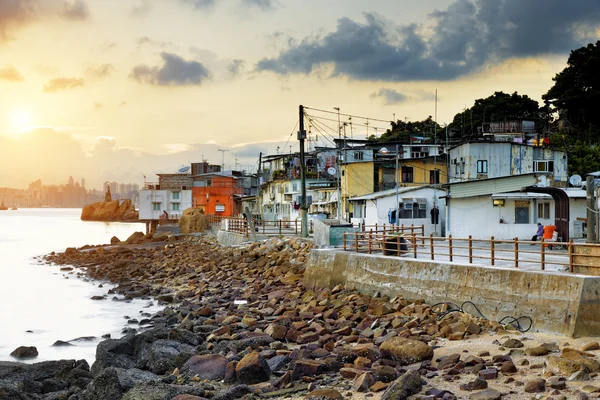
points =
(235, 67)
(149, 41)
(99, 71)
(200, 4)
(390, 96)
(458, 40)
(98, 106)
(76, 10)
(142, 9)
(57, 84)
(10, 73)
(175, 71)
(14, 13)
(264, 5)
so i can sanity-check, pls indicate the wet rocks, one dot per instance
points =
(208, 366)
(408, 384)
(405, 351)
(23, 352)
(252, 369)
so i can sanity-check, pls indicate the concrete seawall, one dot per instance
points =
(557, 302)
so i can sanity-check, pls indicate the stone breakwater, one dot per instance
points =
(239, 323)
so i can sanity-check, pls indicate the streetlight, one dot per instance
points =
(385, 151)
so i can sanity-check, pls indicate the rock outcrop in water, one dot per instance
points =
(113, 210)
(239, 323)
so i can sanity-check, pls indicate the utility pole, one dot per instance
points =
(304, 203)
(339, 168)
(435, 180)
(591, 209)
(223, 159)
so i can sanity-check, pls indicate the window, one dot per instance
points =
(462, 168)
(456, 169)
(544, 210)
(209, 182)
(407, 174)
(543, 166)
(413, 210)
(358, 156)
(156, 207)
(482, 167)
(176, 195)
(434, 176)
(220, 208)
(522, 212)
(360, 209)
(175, 206)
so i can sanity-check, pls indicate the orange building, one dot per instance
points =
(216, 193)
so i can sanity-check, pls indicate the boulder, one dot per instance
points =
(252, 369)
(408, 384)
(165, 355)
(116, 353)
(25, 352)
(207, 366)
(110, 211)
(193, 220)
(405, 351)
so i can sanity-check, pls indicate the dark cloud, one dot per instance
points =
(57, 84)
(390, 96)
(99, 71)
(75, 10)
(460, 40)
(235, 67)
(141, 9)
(10, 73)
(175, 71)
(200, 4)
(14, 13)
(262, 4)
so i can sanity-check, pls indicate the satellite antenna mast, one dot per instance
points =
(222, 159)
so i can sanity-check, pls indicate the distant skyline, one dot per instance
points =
(118, 89)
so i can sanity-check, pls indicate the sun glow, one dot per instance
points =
(21, 121)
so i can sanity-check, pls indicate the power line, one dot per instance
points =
(348, 115)
(291, 134)
(352, 123)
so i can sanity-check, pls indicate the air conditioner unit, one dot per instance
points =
(425, 150)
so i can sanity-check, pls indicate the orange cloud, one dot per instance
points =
(10, 73)
(57, 84)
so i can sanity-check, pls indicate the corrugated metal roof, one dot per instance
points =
(484, 187)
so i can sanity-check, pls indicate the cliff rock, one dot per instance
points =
(193, 220)
(109, 211)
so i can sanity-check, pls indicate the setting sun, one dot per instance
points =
(21, 120)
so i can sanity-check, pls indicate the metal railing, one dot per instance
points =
(264, 227)
(391, 228)
(566, 256)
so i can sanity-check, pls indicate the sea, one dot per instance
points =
(39, 304)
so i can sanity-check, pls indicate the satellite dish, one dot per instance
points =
(575, 180)
(331, 171)
(184, 169)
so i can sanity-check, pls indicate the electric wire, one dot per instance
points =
(508, 320)
(347, 115)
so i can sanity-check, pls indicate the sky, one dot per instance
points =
(122, 89)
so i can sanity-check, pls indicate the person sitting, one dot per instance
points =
(538, 234)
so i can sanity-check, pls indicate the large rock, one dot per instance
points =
(405, 351)
(207, 366)
(252, 369)
(118, 353)
(408, 384)
(193, 220)
(25, 352)
(165, 355)
(110, 211)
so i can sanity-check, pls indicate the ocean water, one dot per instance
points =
(52, 304)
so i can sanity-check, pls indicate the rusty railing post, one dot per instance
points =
(345, 238)
(356, 241)
(371, 241)
(280, 225)
(470, 249)
(571, 256)
(492, 250)
(516, 240)
(397, 244)
(414, 243)
(431, 243)
(543, 255)
(450, 257)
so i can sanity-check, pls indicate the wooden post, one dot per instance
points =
(431, 242)
(345, 237)
(492, 250)
(543, 254)
(295, 227)
(397, 244)
(422, 230)
(414, 242)
(371, 241)
(571, 266)
(516, 240)
(280, 223)
(450, 247)
(356, 241)
(470, 249)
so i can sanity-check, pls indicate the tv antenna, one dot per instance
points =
(223, 159)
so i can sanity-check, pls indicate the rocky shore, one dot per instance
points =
(239, 323)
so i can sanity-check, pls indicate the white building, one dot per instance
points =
(415, 206)
(173, 194)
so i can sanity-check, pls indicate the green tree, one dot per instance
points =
(402, 131)
(576, 92)
(498, 107)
